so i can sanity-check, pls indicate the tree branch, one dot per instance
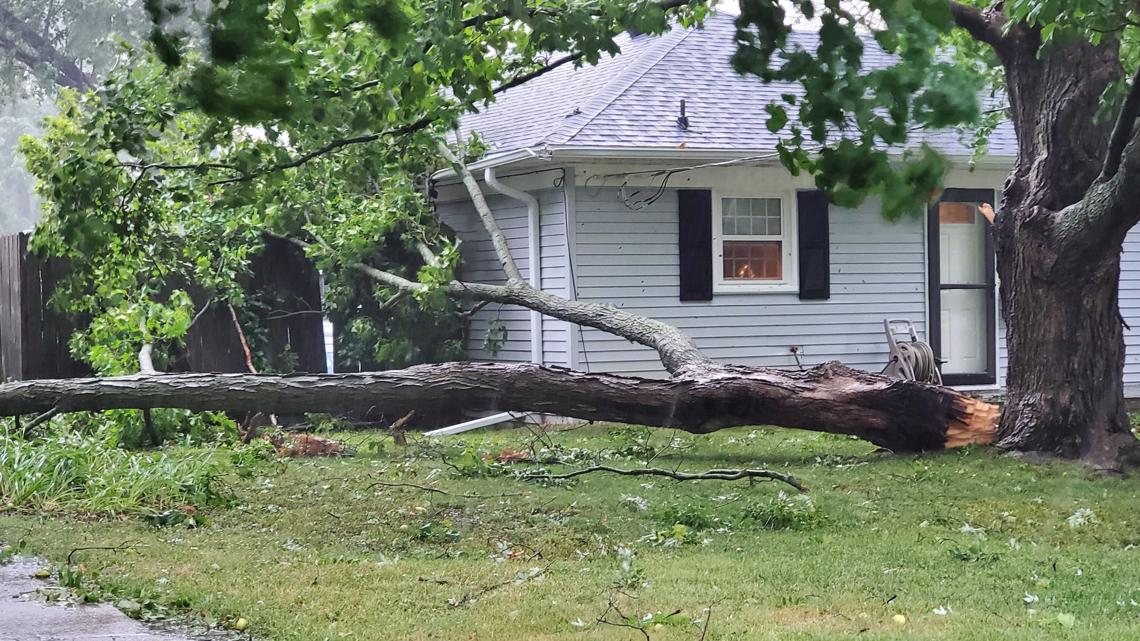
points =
(527, 77)
(977, 23)
(41, 52)
(424, 122)
(326, 149)
(677, 351)
(711, 475)
(491, 16)
(436, 490)
(1122, 130)
(498, 239)
(146, 363)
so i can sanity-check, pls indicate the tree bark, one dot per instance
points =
(1058, 257)
(1066, 357)
(897, 415)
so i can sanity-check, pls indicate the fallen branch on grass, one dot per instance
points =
(624, 621)
(519, 579)
(125, 545)
(705, 625)
(436, 490)
(711, 475)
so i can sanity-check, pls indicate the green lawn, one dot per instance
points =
(1002, 547)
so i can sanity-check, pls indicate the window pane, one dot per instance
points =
(956, 213)
(774, 227)
(751, 217)
(753, 260)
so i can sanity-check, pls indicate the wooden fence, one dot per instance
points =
(34, 337)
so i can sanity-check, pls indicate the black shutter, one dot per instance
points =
(694, 228)
(815, 245)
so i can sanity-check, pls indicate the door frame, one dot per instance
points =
(935, 287)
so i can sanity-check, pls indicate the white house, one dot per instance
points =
(606, 196)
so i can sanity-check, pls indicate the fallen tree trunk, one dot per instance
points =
(897, 415)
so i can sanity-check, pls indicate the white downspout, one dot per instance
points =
(534, 253)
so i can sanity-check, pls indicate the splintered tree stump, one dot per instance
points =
(973, 421)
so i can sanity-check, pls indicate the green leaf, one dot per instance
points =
(777, 117)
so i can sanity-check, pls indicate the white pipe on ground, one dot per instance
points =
(534, 253)
(474, 424)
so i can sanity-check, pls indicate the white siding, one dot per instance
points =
(555, 333)
(1002, 350)
(630, 259)
(480, 264)
(1130, 305)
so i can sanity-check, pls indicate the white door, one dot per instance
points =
(963, 289)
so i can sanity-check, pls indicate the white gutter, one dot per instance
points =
(495, 160)
(671, 153)
(534, 254)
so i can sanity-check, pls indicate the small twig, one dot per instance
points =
(46, 416)
(252, 431)
(471, 597)
(705, 625)
(474, 309)
(199, 314)
(425, 488)
(244, 342)
(436, 490)
(711, 475)
(538, 431)
(397, 428)
(148, 427)
(453, 466)
(393, 301)
(535, 553)
(279, 314)
(125, 545)
(613, 607)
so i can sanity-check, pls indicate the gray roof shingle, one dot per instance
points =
(631, 101)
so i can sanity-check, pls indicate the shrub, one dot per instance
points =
(126, 427)
(795, 512)
(687, 514)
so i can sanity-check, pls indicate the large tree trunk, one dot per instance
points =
(1060, 275)
(1066, 354)
(897, 415)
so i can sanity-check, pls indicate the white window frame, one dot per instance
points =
(790, 254)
